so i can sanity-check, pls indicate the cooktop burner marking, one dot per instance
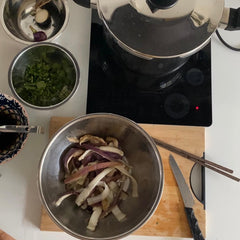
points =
(177, 106)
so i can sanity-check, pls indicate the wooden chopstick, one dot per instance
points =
(203, 162)
(190, 156)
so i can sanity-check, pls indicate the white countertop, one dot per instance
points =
(19, 202)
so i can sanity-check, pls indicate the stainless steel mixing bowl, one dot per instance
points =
(47, 54)
(17, 16)
(142, 155)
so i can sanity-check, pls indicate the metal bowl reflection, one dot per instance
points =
(142, 155)
(17, 16)
(50, 65)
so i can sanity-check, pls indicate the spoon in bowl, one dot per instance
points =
(21, 129)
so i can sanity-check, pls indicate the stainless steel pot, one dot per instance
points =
(154, 67)
(164, 28)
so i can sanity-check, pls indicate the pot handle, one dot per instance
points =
(83, 3)
(155, 5)
(231, 19)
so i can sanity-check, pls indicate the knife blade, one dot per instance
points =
(187, 199)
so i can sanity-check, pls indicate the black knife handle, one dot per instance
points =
(196, 232)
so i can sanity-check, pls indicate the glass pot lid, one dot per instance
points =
(161, 28)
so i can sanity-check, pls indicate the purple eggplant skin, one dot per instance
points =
(39, 36)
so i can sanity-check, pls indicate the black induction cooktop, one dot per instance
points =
(182, 97)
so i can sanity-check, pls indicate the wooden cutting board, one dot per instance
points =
(5, 236)
(169, 220)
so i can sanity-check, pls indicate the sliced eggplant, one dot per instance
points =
(43, 18)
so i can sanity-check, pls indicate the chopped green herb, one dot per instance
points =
(47, 80)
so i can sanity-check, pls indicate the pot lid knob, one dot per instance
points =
(154, 5)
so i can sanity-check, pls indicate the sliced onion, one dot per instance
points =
(91, 157)
(134, 182)
(112, 141)
(84, 206)
(113, 186)
(112, 149)
(101, 196)
(64, 196)
(101, 176)
(123, 196)
(126, 184)
(73, 139)
(73, 152)
(111, 156)
(107, 201)
(85, 170)
(116, 177)
(92, 139)
(85, 193)
(81, 180)
(118, 214)
(93, 221)
(111, 173)
(84, 155)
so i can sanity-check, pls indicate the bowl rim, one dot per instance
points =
(159, 160)
(40, 44)
(10, 98)
(12, 36)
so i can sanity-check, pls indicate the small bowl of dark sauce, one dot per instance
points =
(11, 113)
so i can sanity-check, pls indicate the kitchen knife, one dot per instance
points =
(187, 199)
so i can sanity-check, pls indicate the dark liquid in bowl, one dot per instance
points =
(7, 139)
